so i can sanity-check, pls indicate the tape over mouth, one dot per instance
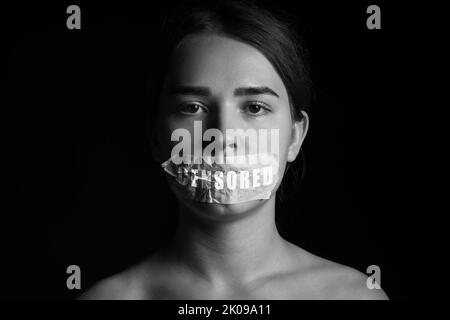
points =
(234, 181)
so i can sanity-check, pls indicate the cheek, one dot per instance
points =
(168, 125)
(285, 139)
(284, 124)
(283, 147)
(285, 135)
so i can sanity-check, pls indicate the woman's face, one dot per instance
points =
(225, 84)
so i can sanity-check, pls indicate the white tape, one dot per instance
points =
(231, 182)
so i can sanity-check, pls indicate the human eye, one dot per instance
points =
(192, 108)
(257, 108)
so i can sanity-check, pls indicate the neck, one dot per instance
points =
(235, 250)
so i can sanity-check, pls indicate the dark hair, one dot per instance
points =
(274, 35)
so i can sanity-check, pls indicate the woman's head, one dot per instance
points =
(231, 65)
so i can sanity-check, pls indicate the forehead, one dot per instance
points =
(222, 63)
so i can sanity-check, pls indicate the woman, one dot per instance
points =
(231, 66)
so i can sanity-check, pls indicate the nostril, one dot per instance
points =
(231, 146)
(230, 149)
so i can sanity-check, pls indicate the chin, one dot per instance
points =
(224, 212)
(219, 211)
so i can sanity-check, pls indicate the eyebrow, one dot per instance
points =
(206, 92)
(251, 91)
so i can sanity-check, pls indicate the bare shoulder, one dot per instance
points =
(330, 280)
(126, 285)
(346, 283)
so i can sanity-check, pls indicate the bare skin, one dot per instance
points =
(315, 278)
(277, 269)
(230, 251)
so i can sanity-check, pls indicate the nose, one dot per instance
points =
(226, 116)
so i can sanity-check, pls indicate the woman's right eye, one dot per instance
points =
(192, 108)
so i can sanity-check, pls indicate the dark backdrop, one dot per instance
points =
(86, 191)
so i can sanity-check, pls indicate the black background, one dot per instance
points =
(87, 192)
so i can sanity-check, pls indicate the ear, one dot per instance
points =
(299, 130)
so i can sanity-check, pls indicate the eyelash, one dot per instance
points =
(263, 105)
(187, 104)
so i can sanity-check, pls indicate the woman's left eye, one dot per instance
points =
(257, 108)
